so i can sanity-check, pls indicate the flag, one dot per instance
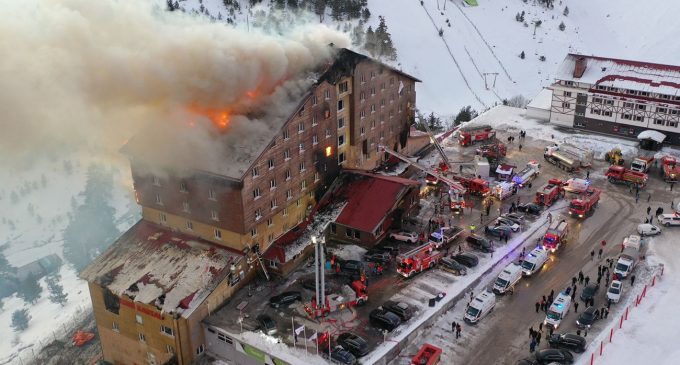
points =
(299, 330)
(313, 336)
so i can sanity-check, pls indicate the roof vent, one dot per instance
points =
(579, 67)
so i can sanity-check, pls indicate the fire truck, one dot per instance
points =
(556, 234)
(568, 157)
(584, 204)
(622, 175)
(349, 296)
(671, 171)
(641, 163)
(549, 193)
(468, 135)
(527, 174)
(474, 186)
(419, 259)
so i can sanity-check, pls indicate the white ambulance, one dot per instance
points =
(558, 310)
(483, 303)
(507, 279)
(534, 261)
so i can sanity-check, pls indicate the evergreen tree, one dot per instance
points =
(280, 4)
(365, 14)
(522, 55)
(465, 114)
(20, 319)
(56, 290)
(566, 11)
(30, 289)
(562, 26)
(6, 270)
(370, 45)
(384, 46)
(171, 5)
(434, 123)
(292, 4)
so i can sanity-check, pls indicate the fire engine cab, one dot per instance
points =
(419, 259)
(556, 234)
(549, 193)
(471, 134)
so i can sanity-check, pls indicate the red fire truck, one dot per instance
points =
(475, 133)
(427, 355)
(622, 175)
(671, 170)
(419, 259)
(549, 193)
(556, 234)
(474, 186)
(348, 297)
(584, 204)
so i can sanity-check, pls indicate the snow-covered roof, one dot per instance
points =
(156, 266)
(542, 100)
(655, 136)
(635, 75)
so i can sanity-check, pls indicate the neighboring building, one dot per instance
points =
(237, 208)
(417, 142)
(618, 97)
(39, 268)
(539, 107)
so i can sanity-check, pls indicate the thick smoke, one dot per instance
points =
(83, 73)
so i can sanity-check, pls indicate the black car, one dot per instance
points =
(357, 345)
(384, 320)
(499, 232)
(452, 265)
(341, 356)
(479, 243)
(266, 324)
(530, 208)
(378, 257)
(466, 259)
(588, 317)
(567, 341)
(401, 309)
(285, 298)
(559, 356)
(589, 291)
(391, 249)
(351, 267)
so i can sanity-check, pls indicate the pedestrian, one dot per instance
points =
(573, 280)
(532, 345)
(550, 330)
(520, 147)
(573, 294)
(453, 326)
(471, 296)
(637, 197)
(672, 186)
(609, 304)
(531, 332)
(552, 293)
(606, 313)
(549, 217)
(587, 279)
(588, 174)
(580, 277)
(606, 280)
(599, 254)
(649, 197)
(599, 270)
(540, 327)
(632, 280)
(538, 338)
(538, 306)
(458, 329)
(585, 332)
(575, 307)
(649, 209)
(599, 278)
(592, 254)
(578, 332)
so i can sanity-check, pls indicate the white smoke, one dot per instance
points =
(84, 73)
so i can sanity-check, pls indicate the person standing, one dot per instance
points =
(453, 326)
(632, 280)
(580, 277)
(538, 339)
(538, 306)
(592, 254)
(599, 254)
(540, 327)
(649, 209)
(575, 307)
(532, 345)
(573, 280)
(587, 174)
(458, 329)
(573, 294)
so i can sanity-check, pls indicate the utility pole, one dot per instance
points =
(495, 74)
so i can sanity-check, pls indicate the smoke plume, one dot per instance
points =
(80, 74)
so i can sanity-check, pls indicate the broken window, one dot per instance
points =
(111, 302)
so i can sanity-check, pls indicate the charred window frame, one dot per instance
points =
(111, 302)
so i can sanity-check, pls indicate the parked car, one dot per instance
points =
(530, 208)
(589, 291)
(383, 319)
(502, 221)
(285, 298)
(453, 266)
(515, 217)
(614, 291)
(409, 237)
(479, 243)
(351, 267)
(266, 324)
(466, 259)
(401, 309)
(391, 249)
(341, 356)
(357, 345)
(559, 356)
(646, 229)
(498, 231)
(379, 257)
(567, 341)
(588, 317)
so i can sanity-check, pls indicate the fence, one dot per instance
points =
(618, 325)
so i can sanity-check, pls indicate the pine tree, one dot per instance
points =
(365, 14)
(562, 26)
(383, 39)
(566, 11)
(20, 319)
(370, 45)
(56, 290)
(293, 4)
(465, 114)
(434, 123)
(522, 55)
(30, 289)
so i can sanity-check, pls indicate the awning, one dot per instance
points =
(655, 136)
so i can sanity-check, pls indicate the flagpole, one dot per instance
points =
(304, 333)
(316, 337)
(329, 344)
(292, 326)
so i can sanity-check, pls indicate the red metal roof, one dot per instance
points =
(370, 199)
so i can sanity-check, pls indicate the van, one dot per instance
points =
(534, 261)
(668, 220)
(627, 261)
(558, 309)
(507, 279)
(483, 303)
(632, 241)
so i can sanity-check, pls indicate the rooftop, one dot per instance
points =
(153, 265)
(635, 75)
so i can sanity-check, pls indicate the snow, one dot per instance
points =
(315, 229)
(656, 136)
(542, 100)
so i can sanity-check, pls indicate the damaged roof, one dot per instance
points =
(154, 265)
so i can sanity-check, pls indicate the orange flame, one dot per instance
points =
(220, 118)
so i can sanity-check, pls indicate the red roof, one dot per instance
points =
(370, 199)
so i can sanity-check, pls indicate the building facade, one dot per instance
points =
(617, 97)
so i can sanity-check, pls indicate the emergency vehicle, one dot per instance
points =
(622, 175)
(427, 355)
(468, 135)
(558, 310)
(584, 204)
(549, 193)
(349, 296)
(556, 234)
(419, 259)
(671, 169)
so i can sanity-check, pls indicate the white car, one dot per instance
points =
(647, 229)
(669, 219)
(501, 221)
(614, 291)
(410, 237)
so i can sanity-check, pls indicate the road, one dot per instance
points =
(507, 327)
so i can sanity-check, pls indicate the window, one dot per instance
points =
(343, 87)
(663, 96)
(169, 349)
(391, 116)
(372, 108)
(159, 201)
(362, 96)
(643, 93)
(185, 206)
(270, 222)
(328, 132)
(273, 204)
(607, 113)
(314, 120)
(142, 338)
(284, 212)
(289, 194)
(661, 110)
(348, 232)
(222, 337)
(256, 193)
(167, 331)
(362, 78)
(156, 181)
(270, 163)
(372, 124)
(214, 216)
(200, 349)
(211, 194)
(315, 139)
(341, 123)
(372, 74)
(314, 100)
(303, 185)
(382, 134)
(626, 116)
(597, 100)
(326, 94)
(301, 127)
(671, 124)
(341, 105)
(659, 121)
(255, 172)
(382, 102)
(362, 131)
(641, 106)
(674, 112)
(567, 93)
(569, 83)
(286, 154)
(253, 232)
(302, 166)
(162, 217)
(114, 326)
(357, 234)
(183, 187)
(301, 147)
(272, 184)
(341, 140)
(601, 87)
(316, 176)
(287, 175)
(372, 91)
(258, 214)
(341, 158)
(190, 225)
(362, 113)
(297, 203)
(632, 92)
(566, 105)
(608, 102)
(391, 81)
(639, 118)
(286, 135)
(628, 105)
(596, 111)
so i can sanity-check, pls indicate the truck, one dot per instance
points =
(583, 205)
(469, 135)
(419, 259)
(558, 310)
(627, 262)
(549, 193)
(641, 163)
(527, 174)
(350, 296)
(444, 235)
(671, 171)
(576, 185)
(568, 157)
(492, 151)
(556, 234)
(474, 185)
(503, 190)
(621, 175)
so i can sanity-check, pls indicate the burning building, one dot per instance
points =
(206, 221)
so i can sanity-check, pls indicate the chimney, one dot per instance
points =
(579, 66)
